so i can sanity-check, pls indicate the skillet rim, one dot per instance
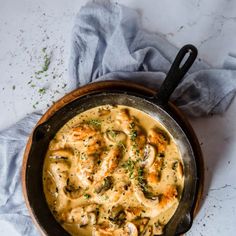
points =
(170, 108)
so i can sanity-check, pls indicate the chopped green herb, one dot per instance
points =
(34, 105)
(129, 166)
(29, 82)
(95, 122)
(13, 87)
(133, 135)
(87, 196)
(44, 49)
(112, 133)
(33, 86)
(47, 61)
(42, 91)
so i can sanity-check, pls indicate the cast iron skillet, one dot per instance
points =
(122, 93)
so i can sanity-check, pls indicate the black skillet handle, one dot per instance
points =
(176, 73)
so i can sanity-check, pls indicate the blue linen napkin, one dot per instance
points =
(109, 43)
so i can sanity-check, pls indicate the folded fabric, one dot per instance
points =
(12, 205)
(109, 43)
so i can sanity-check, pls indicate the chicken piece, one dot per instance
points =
(154, 172)
(83, 131)
(169, 196)
(137, 137)
(59, 174)
(86, 168)
(91, 139)
(137, 143)
(110, 161)
(159, 138)
(125, 119)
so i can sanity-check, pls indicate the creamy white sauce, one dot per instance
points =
(113, 171)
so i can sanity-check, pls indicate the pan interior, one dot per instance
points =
(46, 132)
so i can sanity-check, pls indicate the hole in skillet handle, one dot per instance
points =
(176, 73)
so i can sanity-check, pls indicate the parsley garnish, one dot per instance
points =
(133, 135)
(95, 122)
(87, 196)
(129, 166)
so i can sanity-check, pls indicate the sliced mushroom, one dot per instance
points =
(72, 192)
(104, 186)
(159, 138)
(132, 229)
(118, 215)
(141, 223)
(141, 197)
(149, 155)
(115, 136)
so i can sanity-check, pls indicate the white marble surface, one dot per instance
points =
(28, 26)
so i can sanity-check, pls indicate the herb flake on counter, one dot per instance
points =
(42, 91)
(34, 105)
(13, 87)
(46, 63)
(64, 85)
